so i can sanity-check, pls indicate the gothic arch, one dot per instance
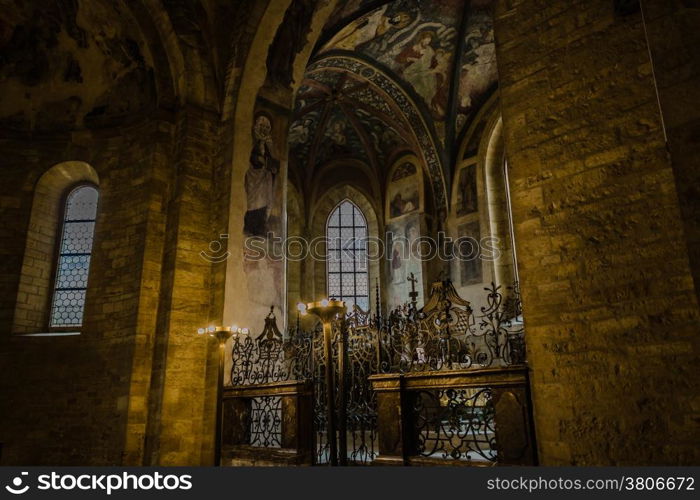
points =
(492, 155)
(483, 149)
(249, 83)
(423, 138)
(318, 219)
(36, 278)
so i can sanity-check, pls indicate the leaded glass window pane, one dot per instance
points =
(73, 263)
(348, 278)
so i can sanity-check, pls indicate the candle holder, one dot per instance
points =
(327, 310)
(221, 334)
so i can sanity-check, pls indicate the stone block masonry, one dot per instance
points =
(612, 317)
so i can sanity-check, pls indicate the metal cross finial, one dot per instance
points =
(377, 310)
(414, 293)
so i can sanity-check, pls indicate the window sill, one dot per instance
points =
(47, 334)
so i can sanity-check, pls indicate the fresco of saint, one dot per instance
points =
(260, 179)
(467, 201)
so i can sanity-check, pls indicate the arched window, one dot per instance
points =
(347, 275)
(73, 264)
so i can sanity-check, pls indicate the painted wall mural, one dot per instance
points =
(411, 116)
(260, 181)
(264, 216)
(403, 261)
(404, 192)
(471, 267)
(72, 64)
(479, 72)
(467, 199)
(289, 39)
(339, 116)
(416, 40)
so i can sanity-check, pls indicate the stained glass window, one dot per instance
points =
(348, 277)
(73, 264)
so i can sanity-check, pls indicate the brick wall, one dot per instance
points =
(610, 307)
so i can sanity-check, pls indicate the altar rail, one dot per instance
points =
(462, 417)
(268, 424)
(432, 385)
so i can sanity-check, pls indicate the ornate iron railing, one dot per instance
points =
(265, 422)
(444, 336)
(456, 424)
(270, 357)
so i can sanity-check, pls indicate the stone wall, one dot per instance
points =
(610, 306)
(672, 29)
(66, 399)
(181, 417)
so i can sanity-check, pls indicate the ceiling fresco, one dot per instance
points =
(478, 74)
(415, 39)
(71, 64)
(387, 81)
(385, 120)
(340, 116)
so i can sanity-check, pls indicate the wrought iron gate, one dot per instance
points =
(354, 424)
(418, 386)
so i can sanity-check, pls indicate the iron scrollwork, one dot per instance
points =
(361, 362)
(445, 334)
(265, 422)
(454, 424)
(270, 357)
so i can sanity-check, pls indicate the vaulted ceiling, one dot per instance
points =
(392, 77)
(89, 64)
(72, 64)
(342, 116)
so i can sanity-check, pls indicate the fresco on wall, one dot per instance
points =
(385, 139)
(404, 194)
(403, 260)
(415, 39)
(479, 72)
(289, 40)
(72, 64)
(467, 197)
(471, 272)
(264, 214)
(260, 181)
(408, 118)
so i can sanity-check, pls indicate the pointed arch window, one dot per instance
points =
(74, 253)
(347, 271)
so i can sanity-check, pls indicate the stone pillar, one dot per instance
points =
(181, 420)
(673, 37)
(609, 300)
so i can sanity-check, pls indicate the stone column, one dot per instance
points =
(609, 300)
